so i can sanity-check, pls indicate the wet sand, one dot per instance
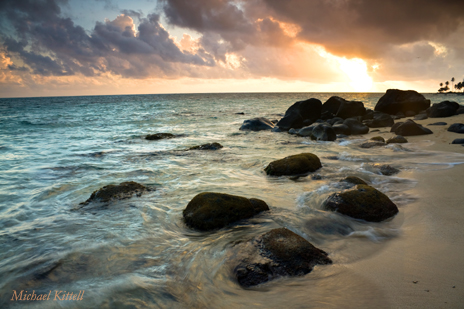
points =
(424, 267)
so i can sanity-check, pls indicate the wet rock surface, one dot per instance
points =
(257, 124)
(397, 140)
(354, 180)
(364, 202)
(294, 165)
(410, 128)
(158, 136)
(443, 109)
(456, 128)
(322, 132)
(300, 114)
(210, 211)
(282, 253)
(356, 127)
(207, 146)
(117, 192)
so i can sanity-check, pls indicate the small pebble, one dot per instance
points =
(415, 282)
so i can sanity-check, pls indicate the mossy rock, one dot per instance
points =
(158, 136)
(210, 211)
(364, 202)
(285, 254)
(354, 180)
(294, 165)
(116, 192)
(397, 140)
(208, 146)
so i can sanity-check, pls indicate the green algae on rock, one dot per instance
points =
(364, 202)
(116, 192)
(354, 180)
(210, 211)
(294, 165)
(283, 253)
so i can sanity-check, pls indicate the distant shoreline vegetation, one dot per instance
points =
(446, 89)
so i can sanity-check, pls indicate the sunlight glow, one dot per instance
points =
(355, 69)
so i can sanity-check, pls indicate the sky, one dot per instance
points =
(104, 47)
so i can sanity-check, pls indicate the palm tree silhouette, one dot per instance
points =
(452, 82)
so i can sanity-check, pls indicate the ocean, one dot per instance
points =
(138, 253)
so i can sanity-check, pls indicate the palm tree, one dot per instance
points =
(452, 82)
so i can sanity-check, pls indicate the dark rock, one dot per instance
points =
(276, 129)
(443, 109)
(363, 202)
(341, 129)
(283, 253)
(421, 116)
(368, 115)
(323, 132)
(379, 120)
(334, 120)
(410, 128)
(458, 141)
(356, 127)
(394, 101)
(294, 131)
(350, 109)
(294, 165)
(378, 139)
(396, 125)
(460, 110)
(371, 144)
(208, 146)
(438, 124)
(257, 124)
(397, 140)
(157, 136)
(354, 180)
(316, 177)
(388, 170)
(410, 113)
(210, 211)
(116, 192)
(400, 115)
(326, 115)
(301, 113)
(339, 136)
(305, 131)
(456, 128)
(332, 104)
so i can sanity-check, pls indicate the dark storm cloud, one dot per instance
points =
(363, 28)
(52, 45)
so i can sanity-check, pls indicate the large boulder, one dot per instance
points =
(257, 124)
(209, 211)
(343, 108)
(294, 165)
(410, 128)
(355, 126)
(456, 128)
(322, 132)
(281, 252)
(394, 101)
(300, 114)
(116, 192)
(332, 104)
(341, 129)
(364, 202)
(443, 109)
(379, 120)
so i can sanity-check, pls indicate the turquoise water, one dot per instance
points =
(56, 151)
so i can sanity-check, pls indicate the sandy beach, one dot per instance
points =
(423, 267)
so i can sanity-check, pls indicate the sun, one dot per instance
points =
(356, 70)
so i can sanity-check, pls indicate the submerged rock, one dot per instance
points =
(257, 124)
(364, 202)
(388, 170)
(157, 136)
(116, 192)
(443, 109)
(397, 140)
(207, 146)
(456, 128)
(410, 128)
(283, 253)
(372, 144)
(326, 226)
(210, 211)
(294, 165)
(407, 102)
(300, 114)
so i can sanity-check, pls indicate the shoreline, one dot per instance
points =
(422, 268)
